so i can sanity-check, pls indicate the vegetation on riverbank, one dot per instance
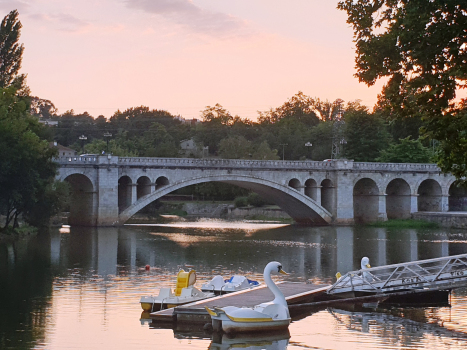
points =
(405, 223)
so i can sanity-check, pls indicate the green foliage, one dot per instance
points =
(406, 151)
(405, 223)
(365, 134)
(299, 108)
(235, 147)
(419, 46)
(27, 166)
(451, 131)
(241, 202)
(11, 52)
(213, 191)
(255, 200)
(52, 199)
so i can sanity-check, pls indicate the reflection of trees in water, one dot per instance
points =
(25, 292)
(403, 326)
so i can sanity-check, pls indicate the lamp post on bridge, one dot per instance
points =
(308, 145)
(107, 135)
(82, 138)
(283, 151)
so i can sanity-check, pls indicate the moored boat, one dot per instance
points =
(184, 293)
(219, 285)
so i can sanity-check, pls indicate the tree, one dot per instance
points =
(235, 147)
(451, 152)
(406, 151)
(42, 108)
(365, 134)
(420, 47)
(299, 107)
(26, 160)
(11, 52)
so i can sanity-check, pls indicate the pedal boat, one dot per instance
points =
(218, 285)
(265, 317)
(184, 293)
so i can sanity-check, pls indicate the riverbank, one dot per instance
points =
(213, 210)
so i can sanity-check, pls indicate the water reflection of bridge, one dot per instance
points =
(310, 252)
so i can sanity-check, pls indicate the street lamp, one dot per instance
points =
(283, 145)
(107, 135)
(82, 138)
(309, 144)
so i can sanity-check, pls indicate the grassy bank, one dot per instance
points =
(405, 223)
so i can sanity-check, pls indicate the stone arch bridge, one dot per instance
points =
(108, 190)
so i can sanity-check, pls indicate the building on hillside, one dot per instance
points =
(62, 150)
(189, 148)
(48, 122)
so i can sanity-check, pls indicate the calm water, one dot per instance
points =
(80, 289)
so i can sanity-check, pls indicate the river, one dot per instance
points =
(79, 288)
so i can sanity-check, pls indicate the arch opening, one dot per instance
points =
(457, 197)
(429, 196)
(161, 182)
(143, 187)
(311, 189)
(124, 193)
(365, 201)
(297, 205)
(295, 183)
(82, 201)
(398, 199)
(327, 194)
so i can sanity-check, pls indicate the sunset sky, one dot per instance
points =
(183, 55)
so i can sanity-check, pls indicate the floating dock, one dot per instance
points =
(425, 281)
(294, 292)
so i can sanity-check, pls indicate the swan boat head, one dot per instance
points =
(268, 316)
(365, 263)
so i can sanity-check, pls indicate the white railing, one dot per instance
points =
(446, 272)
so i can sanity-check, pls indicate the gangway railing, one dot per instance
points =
(446, 272)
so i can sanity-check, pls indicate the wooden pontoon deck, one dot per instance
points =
(294, 292)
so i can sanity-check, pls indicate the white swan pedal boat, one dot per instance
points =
(184, 293)
(219, 285)
(265, 317)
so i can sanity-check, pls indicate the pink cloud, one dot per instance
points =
(188, 15)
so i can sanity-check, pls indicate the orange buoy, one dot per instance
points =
(148, 267)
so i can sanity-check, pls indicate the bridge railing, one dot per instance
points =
(395, 166)
(225, 163)
(342, 164)
(77, 160)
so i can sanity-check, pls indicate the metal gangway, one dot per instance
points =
(436, 274)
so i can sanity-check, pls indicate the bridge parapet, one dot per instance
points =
(77, 160)
(249, 164)
(406, 167)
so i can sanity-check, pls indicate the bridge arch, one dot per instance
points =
(82, 201)
(124, 192)
(327, 194)
(143, 186)
(161, 181)
(300, 207)
(295, 183)
(457, 197)
(365, 200)
(398, 197)
(429, 196)
(311, 189)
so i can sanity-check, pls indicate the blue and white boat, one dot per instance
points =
(219, 285)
